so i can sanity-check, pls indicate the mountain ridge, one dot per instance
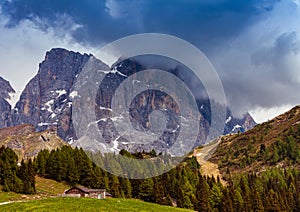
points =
(47, 99)
(275, 143)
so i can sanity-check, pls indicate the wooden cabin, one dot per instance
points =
(80, 191)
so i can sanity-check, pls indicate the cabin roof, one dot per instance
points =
(86, 190)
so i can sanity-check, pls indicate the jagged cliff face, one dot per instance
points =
(234, 125)
(5, 108)
(47, 98)
(46, 102)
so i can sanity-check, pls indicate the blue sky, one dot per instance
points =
(253, 44)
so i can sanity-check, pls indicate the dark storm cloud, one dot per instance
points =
(270, 77)
(287, 44)
(284, 71)
(254, 44)
(205, 23)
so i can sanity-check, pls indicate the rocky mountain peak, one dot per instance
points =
(5, 89)
(61, 65)
(6, 92)
(47, 101)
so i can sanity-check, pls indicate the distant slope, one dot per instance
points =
(87, 204)
(275, 143)
(203, 154)
(48, 187)
(26, 142)
(44, 189)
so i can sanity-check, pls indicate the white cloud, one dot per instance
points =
(264, 114)
(260, 68)
(296, 2)
(248, 85)
(23, 47)
(114, 9)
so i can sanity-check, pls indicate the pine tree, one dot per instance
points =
(53, 165)
(159, 193)
(257, 203)
(9, 177)
(215, 196)
(245, 191)
(202, 195)
(146, 190)
(125, 187)
(27, 175)
(114, 186)
(41, 162)
(135, 184)
(73, 176)
(238, 200)
(272, 201)
(31, 176)
(227, 200)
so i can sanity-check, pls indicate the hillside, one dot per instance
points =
(275, 143)
(202, 154)
(27, 143)
(49, 188)
(87, 204)
(272, 190)
(44, 188)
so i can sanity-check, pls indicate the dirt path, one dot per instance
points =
(202, 155)
(5, 203)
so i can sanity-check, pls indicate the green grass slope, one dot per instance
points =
(44, 188)
(86, 204)
(275, 143)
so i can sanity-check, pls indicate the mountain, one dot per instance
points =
(6, 92)
(47, 99)
(27, 143)
(275, 143)
(140, 109)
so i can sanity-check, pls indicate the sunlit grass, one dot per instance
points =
(86, 204)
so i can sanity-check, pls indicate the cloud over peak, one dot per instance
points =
(254, 44)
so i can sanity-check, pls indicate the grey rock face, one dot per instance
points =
(5, 107)
(47, 100)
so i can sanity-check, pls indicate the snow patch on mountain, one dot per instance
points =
(236, 127)
(48, 106)
(115, 145)
(73, 94)
(60, 92)
(13, 98)
(176, 129)
(114, 71)
(135, 81)
(43, 124)
(53, 115)
(228, 120)
(116, 118)
(105, 108)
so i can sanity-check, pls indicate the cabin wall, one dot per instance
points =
(76, 191)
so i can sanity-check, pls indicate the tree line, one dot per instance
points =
(13, 177)
(271, 190)
(274, 189)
